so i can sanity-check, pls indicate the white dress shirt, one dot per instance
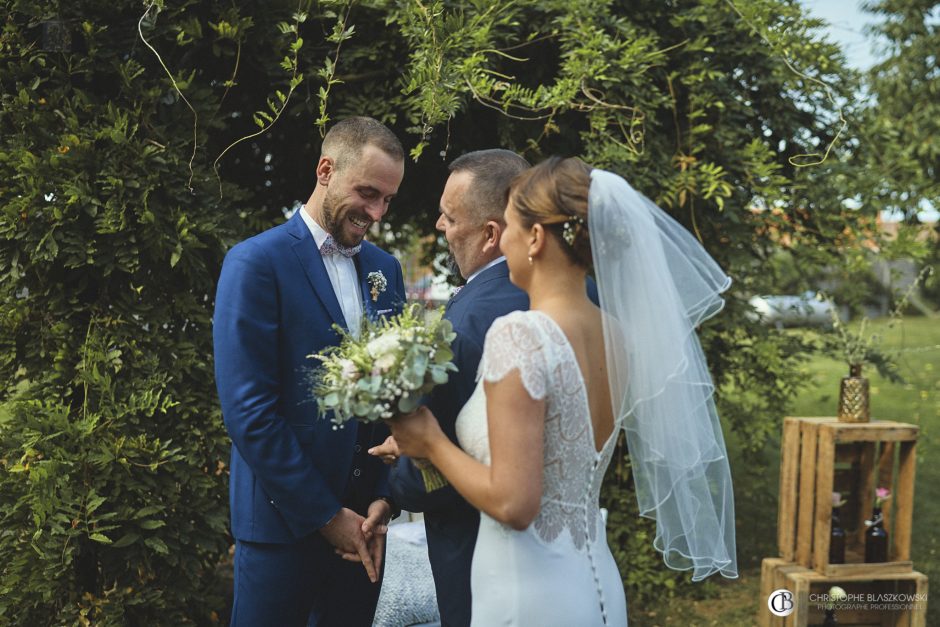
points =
(343, 277)
(486, 267)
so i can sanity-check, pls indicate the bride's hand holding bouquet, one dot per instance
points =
(416, 433)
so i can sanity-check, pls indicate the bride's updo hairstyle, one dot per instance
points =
(555, 194)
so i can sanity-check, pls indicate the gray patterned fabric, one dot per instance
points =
(407, 596)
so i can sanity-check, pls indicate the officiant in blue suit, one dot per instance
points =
(471, 218)
(301, 490)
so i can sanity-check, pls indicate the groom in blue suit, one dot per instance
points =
(303, 493)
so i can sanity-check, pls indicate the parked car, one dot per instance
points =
(806, 309)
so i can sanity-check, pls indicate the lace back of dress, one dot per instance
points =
(573, 470)
(532, 343)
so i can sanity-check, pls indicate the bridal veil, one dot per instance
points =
(656, 284)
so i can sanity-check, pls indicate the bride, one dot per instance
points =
(557, 383)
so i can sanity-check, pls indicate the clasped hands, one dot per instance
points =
(360, 539)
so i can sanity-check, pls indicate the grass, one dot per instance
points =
(916, 401)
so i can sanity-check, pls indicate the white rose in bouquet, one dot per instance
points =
(384, 345)
(348, 369)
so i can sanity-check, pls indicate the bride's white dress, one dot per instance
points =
(558, 571)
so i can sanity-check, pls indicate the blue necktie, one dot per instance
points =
(331, 246)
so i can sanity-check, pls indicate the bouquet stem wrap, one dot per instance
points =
(432, 477)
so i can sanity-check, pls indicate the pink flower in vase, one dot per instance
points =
(881, 495)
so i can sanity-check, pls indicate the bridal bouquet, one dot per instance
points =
(386, 371)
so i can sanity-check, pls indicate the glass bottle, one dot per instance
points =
(876, 538)
(836, 539)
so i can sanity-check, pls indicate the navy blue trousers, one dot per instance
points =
(300, 584)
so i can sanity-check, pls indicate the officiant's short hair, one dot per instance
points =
(347, 138)
(492, 170)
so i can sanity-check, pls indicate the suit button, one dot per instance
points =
(357, 472)
(358, 448)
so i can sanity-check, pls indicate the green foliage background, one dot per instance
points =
(121, 188)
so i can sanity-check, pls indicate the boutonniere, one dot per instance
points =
(377, 284)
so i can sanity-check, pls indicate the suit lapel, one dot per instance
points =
(453, 299)
(362, 272)
(499, 270)
(312, 263)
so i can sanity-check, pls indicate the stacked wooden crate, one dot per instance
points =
(820, 456)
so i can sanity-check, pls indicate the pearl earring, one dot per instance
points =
(530, 260)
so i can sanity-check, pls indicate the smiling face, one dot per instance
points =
(358, 195)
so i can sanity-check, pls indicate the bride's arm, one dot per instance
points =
(510, 488)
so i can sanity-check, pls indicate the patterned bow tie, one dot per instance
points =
(331, 246)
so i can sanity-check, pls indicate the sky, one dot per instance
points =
(847, 23)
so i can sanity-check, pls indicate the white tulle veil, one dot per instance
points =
(656, 284)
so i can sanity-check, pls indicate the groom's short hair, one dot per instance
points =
(346, 139)
(492, 170)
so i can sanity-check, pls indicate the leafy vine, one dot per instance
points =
(266, 119)
(328, 72)
(158, 5)
(773, 41)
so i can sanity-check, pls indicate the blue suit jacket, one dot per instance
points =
(452, 523)
(290, 470)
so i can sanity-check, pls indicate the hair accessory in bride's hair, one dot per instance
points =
(570, 231)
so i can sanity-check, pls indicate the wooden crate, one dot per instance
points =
(822, 454)
(807, 586)
(872, 601)
(773, 573)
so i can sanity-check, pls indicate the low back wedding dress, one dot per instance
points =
(559, 570)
